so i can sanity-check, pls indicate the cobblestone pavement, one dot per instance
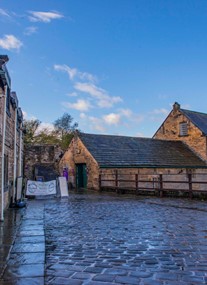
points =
(102, 239)
(8, 231)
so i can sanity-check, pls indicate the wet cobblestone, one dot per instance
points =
(8, 231)
(126, 241)
(101, 239)
(27, 252)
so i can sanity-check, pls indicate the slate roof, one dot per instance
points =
(121, 151)
(198, 119)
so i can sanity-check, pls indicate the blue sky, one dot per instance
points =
(116, 66)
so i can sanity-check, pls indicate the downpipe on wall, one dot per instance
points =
(2, 154)
(15, 158)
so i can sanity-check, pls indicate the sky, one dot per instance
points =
(116, 66)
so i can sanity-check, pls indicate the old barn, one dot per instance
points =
(106, 161)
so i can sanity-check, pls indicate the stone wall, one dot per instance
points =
(42, 160)
(9, 148)
(76, 154)
(149, 178)
(169, 130)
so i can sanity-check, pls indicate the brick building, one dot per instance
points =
(178, 147)
(11, 146)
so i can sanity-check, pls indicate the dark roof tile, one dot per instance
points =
(121, 151)
(198, 119)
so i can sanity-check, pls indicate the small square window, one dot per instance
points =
(183, 129)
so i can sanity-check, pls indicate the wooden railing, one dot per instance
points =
(159, 184)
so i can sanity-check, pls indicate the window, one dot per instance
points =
(183, 129)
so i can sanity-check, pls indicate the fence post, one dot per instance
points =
(161, 186)
(136, 183)
(190, 185)
(99, 181)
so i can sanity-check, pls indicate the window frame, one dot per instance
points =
(183, 129)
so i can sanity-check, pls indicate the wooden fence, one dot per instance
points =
(159, 184)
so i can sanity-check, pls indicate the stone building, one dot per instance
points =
(42, 161)
(187, 126)
(11, 146)
(90, 155)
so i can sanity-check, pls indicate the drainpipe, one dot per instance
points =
(20, 151)
(2, 154)
(15, 157)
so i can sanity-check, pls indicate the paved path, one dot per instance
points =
(102, 239)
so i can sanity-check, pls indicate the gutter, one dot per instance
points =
(154, 166)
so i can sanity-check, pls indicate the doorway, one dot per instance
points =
(81, 175)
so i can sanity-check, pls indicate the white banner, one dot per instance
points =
(41, 188)
(63, 186)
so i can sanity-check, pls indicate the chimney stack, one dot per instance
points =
(176, 106)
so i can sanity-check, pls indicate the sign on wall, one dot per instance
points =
(41, 188)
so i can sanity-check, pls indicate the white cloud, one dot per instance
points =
(74, 73)
(73, 94)
(4, 13)
(30, 30)
(80, 105)
(131, 116)
(108, 101)
(25, 115)
(112, 119)
(94, 123)
(45, 126)
(157, 115)
(91, 89)
(10, 42)
(103, 99)
(86, 76)
(97, 124)
(124, 118)
(83, 116)
(162, 111)
(45, 17)
(126, 113)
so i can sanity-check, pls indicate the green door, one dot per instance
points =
(81, 175)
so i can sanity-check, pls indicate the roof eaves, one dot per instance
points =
(185, 113)
(154, 166)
